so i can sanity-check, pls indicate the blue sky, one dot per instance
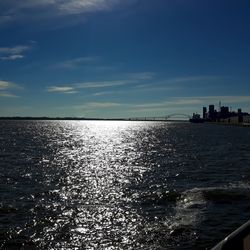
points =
(123, 58)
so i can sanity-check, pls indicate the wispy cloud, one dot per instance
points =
(76, 62)
(97, 105)
(154, 88)
(14, 50)
(62, 90)
(137, 82)
(197, 101)
(29, 9)
(106, 67)
(95, 64)
(103, 84)
(227, 100)
(142, 75)
(193, 78)
(175, 83)
(172, 102)
(5, 18)
(138, 89)
(104, 93)
(8, 95)
(13, 53)
(80, 6)
(75, 87)
(72, 87)
(6, 87)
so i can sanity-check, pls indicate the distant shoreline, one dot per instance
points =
(57, 118)
(81, 119)
(233, 124)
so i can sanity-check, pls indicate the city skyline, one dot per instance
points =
(110, 59)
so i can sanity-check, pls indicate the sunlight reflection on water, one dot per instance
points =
(99, 160)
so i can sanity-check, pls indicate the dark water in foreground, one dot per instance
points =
(121, 185)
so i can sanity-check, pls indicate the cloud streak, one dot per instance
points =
(139, 82)
(76, 62)
(12, 10)
(62, 90)
(13, 53)
(80, 6)
(172, 102)
(8, 95)
(104, 93)
(103, 84)
(132, 78)
(6, 87)
(199, 101)
(142, 75)
(224, 99)
(75, 87)
(101, 105)
(193, 79)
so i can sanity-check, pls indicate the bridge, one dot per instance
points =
(170, 117)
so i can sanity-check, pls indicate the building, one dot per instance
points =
(224, 112)
(211, 113)
(204, 116)
(225, 115)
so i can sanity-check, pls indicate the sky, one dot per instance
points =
(123, 58)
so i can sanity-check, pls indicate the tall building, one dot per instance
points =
(240, 116)
(211, 112)
(224, 112)
(204, 113)
(211, 109)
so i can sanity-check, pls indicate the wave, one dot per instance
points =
(192, 205)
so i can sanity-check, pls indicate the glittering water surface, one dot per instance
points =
(121, 185)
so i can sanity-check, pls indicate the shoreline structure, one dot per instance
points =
(224, 116)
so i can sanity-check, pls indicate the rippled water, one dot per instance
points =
(121, 185)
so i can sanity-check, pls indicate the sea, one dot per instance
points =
(121, 184)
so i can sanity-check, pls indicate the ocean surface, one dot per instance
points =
(121, 185)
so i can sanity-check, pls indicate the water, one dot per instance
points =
(121, 185)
